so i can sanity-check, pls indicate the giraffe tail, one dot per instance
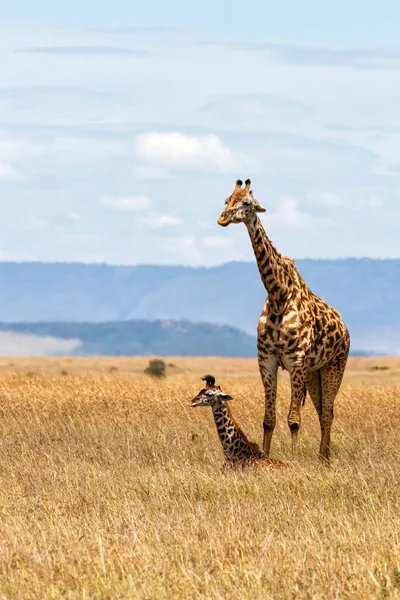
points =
(304, 394)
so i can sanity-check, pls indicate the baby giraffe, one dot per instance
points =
(238, 450)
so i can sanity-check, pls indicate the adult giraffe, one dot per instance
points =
(297, 330)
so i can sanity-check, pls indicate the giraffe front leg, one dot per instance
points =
(298, 381)
(269, 374)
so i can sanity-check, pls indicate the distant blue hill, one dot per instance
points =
(141, 338)
(365, 291)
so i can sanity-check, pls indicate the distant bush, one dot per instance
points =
(113, 369)
(379, 368)
(156, 368)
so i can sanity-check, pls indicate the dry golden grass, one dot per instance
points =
(111, 487)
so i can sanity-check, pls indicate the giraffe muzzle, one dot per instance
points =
(223, 221)
(195, 403)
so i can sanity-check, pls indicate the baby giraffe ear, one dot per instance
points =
(225, 397)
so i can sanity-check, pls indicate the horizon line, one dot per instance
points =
(193, 266)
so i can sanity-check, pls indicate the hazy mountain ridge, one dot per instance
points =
(140, 338)
(365, 291)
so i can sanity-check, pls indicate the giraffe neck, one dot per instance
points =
(234, 442)
(272, 267)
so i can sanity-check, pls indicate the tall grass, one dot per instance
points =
(111, 487)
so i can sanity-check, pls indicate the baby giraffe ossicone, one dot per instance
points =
(238, 450)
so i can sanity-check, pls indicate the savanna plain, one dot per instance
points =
(111, 486)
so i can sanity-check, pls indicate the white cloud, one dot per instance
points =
(19, 344)
(207, 250)
(54, 221)
(12, 153)
(159, 220)
(191, 152)
(126, 203)
(35, 223)
(185, 245)
(15, 149)
(6, 256)
(9, 173)
(18, 155)
(77, 152)
(289, 217)
(355, 201)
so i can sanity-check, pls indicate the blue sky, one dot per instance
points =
(123, 127)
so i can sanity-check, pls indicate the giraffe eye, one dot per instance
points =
(226, 201)
(246, 203)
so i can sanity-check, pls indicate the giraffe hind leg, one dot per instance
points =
(331, 379)
(314, 388)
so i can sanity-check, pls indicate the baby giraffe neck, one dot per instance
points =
(225, 425)
(234, 443)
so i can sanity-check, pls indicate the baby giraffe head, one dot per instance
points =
(240, 205)
(211, 395)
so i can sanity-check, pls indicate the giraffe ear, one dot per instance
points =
(225, 397)
(258, 207)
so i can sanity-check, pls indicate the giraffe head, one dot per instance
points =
(240, 205)
(211, 394)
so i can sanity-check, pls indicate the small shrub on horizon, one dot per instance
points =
(156, 368)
